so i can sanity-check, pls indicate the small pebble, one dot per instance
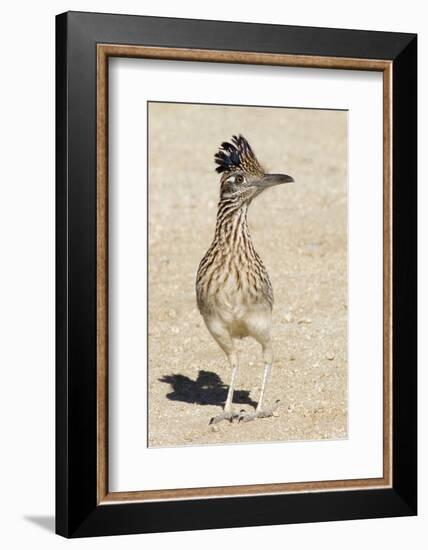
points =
(330, 356)
(304, 321)
(214, 428)
(276, 414)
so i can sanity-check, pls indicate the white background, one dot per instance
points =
(27, 274)
(134, 81)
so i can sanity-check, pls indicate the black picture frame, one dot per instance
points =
(77, 512)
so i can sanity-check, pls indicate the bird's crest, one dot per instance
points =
(237, 155)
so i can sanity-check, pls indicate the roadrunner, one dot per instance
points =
(233, 289)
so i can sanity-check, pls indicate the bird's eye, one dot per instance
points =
(239, 178)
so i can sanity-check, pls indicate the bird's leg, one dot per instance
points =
(228, 413)
(261, 411)
(229, 399)
(266, 375)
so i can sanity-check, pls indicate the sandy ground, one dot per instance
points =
(299, 230)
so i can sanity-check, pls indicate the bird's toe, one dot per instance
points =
(246, 417)
(225, 415)
(265, 412)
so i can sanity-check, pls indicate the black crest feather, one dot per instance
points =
(236, 155)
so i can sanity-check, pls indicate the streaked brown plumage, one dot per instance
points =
(233, 289)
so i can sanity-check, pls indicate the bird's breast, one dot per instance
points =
(232, 278)
(232, 293)
(242, 312)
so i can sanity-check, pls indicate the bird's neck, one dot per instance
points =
(231, 228)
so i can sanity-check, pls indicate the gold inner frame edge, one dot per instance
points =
(104, 51)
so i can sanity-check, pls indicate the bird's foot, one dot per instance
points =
(227, 414)
(264, 412)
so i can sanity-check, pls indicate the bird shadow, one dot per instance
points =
(207, 389)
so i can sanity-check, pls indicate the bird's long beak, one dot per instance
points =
(274, 179)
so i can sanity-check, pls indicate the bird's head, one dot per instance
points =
(242, 176)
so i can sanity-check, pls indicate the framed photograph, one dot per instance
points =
(236, 274)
